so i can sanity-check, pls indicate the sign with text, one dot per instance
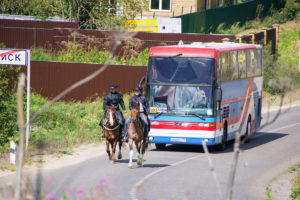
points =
(13, 57)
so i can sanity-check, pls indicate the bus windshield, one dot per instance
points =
(181, 70)
(181, 100)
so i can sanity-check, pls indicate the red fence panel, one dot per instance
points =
(51, 78)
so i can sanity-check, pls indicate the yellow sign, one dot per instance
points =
(142, 25)
(153, 110)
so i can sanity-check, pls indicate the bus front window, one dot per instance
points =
(182, 100)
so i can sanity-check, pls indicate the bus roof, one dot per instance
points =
(199, 49)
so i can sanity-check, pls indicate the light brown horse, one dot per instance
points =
(112, 126)
(136, 135)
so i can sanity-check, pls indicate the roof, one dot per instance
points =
(199, 49)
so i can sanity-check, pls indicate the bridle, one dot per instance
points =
(112, 129)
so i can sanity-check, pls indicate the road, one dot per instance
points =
(182, 172)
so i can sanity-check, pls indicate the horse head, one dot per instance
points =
(134, 110)
(110, 113)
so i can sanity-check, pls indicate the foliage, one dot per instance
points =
(101, 14)
(275, 17)
(295, 188)
(66, 124)
(268, 193)
(8, 115)
(38, 8)
(73, 50)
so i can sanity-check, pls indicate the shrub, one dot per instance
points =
(8, 113)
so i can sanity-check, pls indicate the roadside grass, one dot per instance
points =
(295, 188)
(287, 13)
(66, 124)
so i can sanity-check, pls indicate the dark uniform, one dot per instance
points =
(143, 113)
(114, 98)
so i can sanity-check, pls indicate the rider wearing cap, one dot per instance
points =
(114, 98)
(138, 98)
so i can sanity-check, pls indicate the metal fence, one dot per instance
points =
(207, 21)
(51, 78)
(25, 36)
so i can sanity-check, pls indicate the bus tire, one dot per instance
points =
(160, 146)
(222, 146)
(248, 130)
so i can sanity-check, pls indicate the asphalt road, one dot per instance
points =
(183, 172)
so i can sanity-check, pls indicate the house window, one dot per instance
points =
(163, 5)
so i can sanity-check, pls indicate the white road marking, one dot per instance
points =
(139, 184)
(133, 195)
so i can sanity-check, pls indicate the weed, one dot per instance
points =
(268, 193)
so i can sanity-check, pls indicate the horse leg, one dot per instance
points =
(138, 148)
(107, 149)
(130, 142)
(144, 148)
(113, 149)
(120, 148)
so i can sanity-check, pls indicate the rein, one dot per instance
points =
(111, 129)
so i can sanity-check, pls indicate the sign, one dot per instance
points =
(13, 57)
(169, 25)
(159, 25)
(19, 57)
(141, 25)
(13, 151)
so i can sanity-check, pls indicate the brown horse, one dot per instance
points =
(136, 135)
(112, 133)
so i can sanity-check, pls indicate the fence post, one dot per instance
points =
(276, 26)
(264, 29)
(252, 33)
(239, 38)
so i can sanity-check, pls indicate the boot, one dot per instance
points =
(102, 133)
(125, 138)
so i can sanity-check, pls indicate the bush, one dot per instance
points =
(8, 113)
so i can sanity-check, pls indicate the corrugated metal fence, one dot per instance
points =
(51, 78)
(207, 21)
(24, 36)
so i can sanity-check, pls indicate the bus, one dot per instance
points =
(204, 92)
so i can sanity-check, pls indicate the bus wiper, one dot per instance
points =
(180, 54)
(157, 115)
(200, 116)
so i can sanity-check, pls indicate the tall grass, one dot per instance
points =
(66, 124)
(275, 17)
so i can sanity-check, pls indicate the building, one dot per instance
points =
(172, 8)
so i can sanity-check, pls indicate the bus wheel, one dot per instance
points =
(222, 146)
(248, 130)
(160, 146)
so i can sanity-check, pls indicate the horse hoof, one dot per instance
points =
(120, 156)
(130, 166)
(140, 163)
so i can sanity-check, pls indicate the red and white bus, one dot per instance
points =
(204, 91)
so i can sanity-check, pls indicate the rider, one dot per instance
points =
(113, 98)
(143, 111)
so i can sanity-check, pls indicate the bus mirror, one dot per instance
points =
(219, 94)
(161, 99)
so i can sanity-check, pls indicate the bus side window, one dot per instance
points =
(258, 66)
(242, 64)
(234, 65)
(251, 62)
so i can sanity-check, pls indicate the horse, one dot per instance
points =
(112, 131)
(136, 134)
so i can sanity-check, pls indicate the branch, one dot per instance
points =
(212, 169)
